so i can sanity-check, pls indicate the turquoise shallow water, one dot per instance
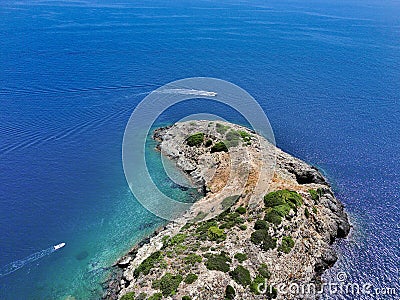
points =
(326, 73)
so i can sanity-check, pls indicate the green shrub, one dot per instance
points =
(286, 245)
(218, 262)
(229, 220)
(195, 139)
(208, 143)
(229, 201)
(273, 217)
(156, 296)
(195, 246)
(186, 298)
(227, 225)
(165, 240)
(192, 258)
(220, 128)
(260, 224)
(128, 296)
(177, 239)
(241, 275)
(274, 198)
(168, 284)
(282, 210)
(245, 135)
(162, 264)
(240, 220)
(230, 293)
(216, 234)
(179, 249)
(190, 278)
(241, 210)
(263, 271)
(148, 264)
(314, 195)
(314, 210)
(243, 227)
(291, 198)
(306, 213)
(203, 227)
(264, 239)
(241, 257)
(254, 286)
(219, 147)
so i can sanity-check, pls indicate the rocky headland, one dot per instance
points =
(266, 217)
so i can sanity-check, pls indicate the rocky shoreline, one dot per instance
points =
(265, 217)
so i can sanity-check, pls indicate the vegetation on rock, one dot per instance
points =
(279, 204)
(257, 284)
(245, 136)
(263, 271)
(156, 296)
(286, 245)
(264, 239)
(177, 239)
(218, 262)
(190, 278)
(241, 257)
(243, 227)
(316, 194)
(195, 139)
(192, 258)
(230, 293)
(168, 284)
(273, 217)
(148, 264)
(128, 296)
(216, 234)
(241, 275)
(241, 210)
(260, 224)
(219, 147)
(281, 197)
(306, 213)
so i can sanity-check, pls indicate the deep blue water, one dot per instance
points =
(327, 73)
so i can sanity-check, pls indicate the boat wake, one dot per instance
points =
(18, 264)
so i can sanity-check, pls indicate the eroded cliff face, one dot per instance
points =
(265, 216)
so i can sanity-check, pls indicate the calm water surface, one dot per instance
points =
(71, 72)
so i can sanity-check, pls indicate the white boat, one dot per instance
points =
(59, 246)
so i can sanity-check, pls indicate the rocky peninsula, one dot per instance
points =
(266, 218)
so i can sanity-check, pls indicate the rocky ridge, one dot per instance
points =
(265, 216)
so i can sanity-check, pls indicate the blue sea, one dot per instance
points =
(326, 73)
